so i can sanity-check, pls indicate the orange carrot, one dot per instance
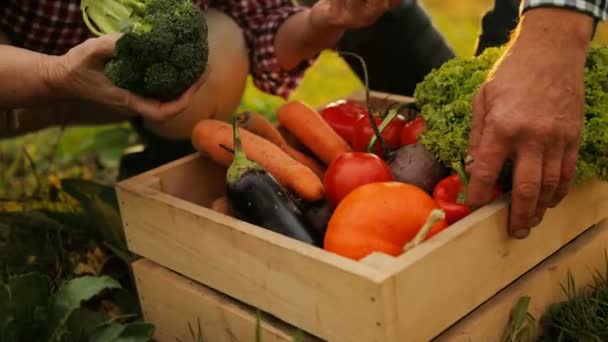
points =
(293, 141)
(221, 205)
(208, 137)
(257, 124)
(308, 126)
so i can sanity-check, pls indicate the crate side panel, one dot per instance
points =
(198, 180)
(334, 303)
(171, 302)
(468, 263)
(584, 256)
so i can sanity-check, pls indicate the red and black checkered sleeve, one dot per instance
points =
(260, 20)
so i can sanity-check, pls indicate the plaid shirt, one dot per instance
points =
(55, 26)
(598, 9)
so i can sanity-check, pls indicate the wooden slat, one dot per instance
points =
(583, 257)
(378, 98)
(448, 276)
(329, 296)
(171, 302)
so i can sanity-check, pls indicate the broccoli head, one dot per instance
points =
(164, 47)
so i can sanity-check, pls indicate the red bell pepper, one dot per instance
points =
(450, 193)
(342, 115)
(412, 130)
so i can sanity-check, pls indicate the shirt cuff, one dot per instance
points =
(266, 72)
(596, 9)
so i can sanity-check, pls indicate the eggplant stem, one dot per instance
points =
(435, 216)
(370, 113)
(243, 119)
(240, 163)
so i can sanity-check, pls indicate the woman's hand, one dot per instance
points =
(349, 14)
(79, 74)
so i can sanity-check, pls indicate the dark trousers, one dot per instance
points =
(399, 49)
(497, 24)
(403, 46)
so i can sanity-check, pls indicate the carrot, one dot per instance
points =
(293, 141)
(221, 205)
(308, 126)
(257, 124)
(208, 137)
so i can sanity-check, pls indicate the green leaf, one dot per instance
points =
(104, 213)
(136, 332)
(109, 331)
(70, 296)
(4, 312)
(83, 322)
(28, 292)
(115, 332)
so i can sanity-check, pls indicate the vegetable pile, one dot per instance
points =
(355, 180)
(164, 49)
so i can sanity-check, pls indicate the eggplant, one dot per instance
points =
(317, 215)
(255, 196)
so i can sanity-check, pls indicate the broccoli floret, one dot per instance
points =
(161, 78)
(164, 43)
(445, 98)
(127, 73)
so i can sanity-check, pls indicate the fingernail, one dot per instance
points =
(520, 233)
(537, 220)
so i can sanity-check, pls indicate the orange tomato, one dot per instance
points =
(379, 217)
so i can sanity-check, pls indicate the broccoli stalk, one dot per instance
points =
(446, 94)
(164, 49)
(109, 16)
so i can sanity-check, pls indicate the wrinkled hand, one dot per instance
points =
(530, 110)
(79, 73)
(349, 14)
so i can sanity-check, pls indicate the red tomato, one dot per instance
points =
(364, 132)
(351, 170)
(411, 131)
(341, 116)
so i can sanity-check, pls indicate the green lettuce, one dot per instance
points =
(446, 94)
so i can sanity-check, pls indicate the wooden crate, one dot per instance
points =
(414, 297)
(226, 319)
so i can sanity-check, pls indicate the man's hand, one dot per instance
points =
(349, 14)
(79, 74)
(530, 110)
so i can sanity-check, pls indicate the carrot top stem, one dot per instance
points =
(370, 113)
(435, 216)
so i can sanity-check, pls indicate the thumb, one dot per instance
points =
(104, 47)
(477, 121)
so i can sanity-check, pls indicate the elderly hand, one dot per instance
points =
(349, 14)
(530, 110)
(79, 74)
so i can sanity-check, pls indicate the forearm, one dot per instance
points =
(555, 31)
(25, 78)
(297, 40)
(552, 22)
